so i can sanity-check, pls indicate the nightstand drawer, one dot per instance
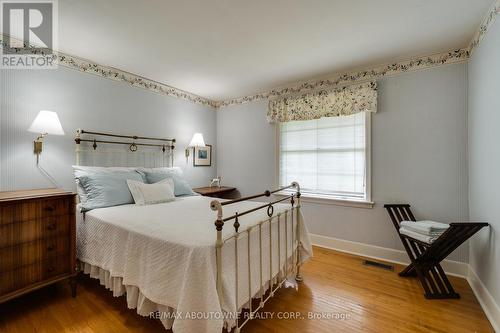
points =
(30, 253)
(28, 275)
(35, 209)
(28, 231)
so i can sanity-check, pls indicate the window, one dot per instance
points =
(328, 157)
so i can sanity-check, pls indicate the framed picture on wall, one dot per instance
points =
(202, 156)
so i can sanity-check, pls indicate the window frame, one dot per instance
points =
(366, 202)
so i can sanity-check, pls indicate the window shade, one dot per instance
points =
(326, 156)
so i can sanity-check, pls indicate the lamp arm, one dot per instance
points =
(37, 146)
(41, 136)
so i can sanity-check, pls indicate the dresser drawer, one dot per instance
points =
(37, 240)
(28, 231)
(27, 210)
(30, 253)
(25, 276)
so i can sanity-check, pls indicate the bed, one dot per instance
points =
(197, 264)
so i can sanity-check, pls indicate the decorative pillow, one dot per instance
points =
(148, 194)
(80, 170)
(106, 189)
(81, 191)
(181, 186)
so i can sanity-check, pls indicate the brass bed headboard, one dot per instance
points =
(94, 148)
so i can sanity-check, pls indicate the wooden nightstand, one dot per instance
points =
(37, 240)
(216, 192)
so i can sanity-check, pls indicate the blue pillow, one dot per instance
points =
(107, 189)
(181, 187)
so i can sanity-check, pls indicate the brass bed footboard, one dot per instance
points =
(286, 266)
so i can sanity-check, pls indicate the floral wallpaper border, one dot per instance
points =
(90, 67)
(381, 71)
(132, 79)
(484, 27)
(418, 63)
(363, 75)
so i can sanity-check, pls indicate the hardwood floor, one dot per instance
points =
(364, 299)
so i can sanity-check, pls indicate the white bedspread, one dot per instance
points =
(167, 251)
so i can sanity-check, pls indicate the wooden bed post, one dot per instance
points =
(298, 276)
(219, 224)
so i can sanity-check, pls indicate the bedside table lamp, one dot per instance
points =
(196, 141)
(46, 122)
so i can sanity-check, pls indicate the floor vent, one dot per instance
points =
(378, 264)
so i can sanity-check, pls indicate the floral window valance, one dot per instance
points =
(335, 102)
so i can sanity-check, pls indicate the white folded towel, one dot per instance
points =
(418, 236)
(427, 228)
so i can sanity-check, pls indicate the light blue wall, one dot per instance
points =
(93, 103)
(419, 140)
(484, 158)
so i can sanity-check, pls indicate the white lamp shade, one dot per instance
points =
(197, 140)
(46, 122)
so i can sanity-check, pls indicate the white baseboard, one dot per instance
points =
(451, 267)
(490, 307)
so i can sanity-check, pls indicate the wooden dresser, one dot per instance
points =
(37, 240)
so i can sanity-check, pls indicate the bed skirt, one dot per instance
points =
(147, 308)
(135, 299)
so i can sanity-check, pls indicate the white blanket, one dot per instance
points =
(168, 252)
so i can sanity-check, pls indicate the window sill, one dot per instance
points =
(329, 200)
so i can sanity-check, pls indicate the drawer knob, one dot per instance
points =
(50, 247)
(50, 208)
(52, 226)
(50, 269)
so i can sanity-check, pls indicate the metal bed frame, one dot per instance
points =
(165, 152)
(291, 264)
(286, 267)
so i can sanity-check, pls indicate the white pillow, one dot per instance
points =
(147, 194)
(102, 169)
(174, 170)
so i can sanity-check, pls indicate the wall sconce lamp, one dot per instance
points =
(196, 141)
(46, 122)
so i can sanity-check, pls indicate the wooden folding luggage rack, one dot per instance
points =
(425, 258)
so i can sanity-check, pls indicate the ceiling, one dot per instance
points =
(222, 49)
